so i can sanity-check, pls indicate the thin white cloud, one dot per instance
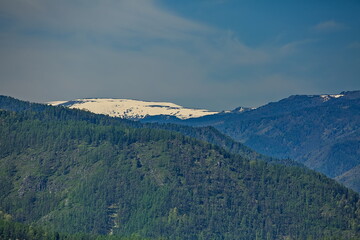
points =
(119, 25)
(354, 45)
(329, 26)
(292, 47)
(126, 23)
(109, 17)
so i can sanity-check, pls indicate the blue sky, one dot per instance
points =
(214, 54)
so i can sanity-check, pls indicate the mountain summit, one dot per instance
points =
(132, 109)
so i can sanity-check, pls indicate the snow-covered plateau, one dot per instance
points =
(132, 109)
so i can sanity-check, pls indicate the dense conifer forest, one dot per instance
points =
(207, 134)
(70, 174)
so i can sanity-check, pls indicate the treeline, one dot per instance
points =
(207, 134)
(211, 135)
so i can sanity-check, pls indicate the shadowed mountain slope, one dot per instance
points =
(320, 131)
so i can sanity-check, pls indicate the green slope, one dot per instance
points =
(212, 135)
(98, 176)
(207, 134)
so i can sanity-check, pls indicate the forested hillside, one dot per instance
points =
(75, 172)
(207, 134)
(212, 135)
(320, 131)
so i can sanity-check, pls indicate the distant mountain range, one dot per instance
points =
(320, 131)
(132, 109)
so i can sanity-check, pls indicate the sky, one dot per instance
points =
(213, 54)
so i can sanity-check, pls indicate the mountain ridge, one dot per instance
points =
(331, 129)
(321, 131)
(206, 134)
(132, 109)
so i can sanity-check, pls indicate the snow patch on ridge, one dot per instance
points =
(328, 97)
(133, 109)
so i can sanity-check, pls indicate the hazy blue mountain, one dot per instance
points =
(351, 178)
(321, 131)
